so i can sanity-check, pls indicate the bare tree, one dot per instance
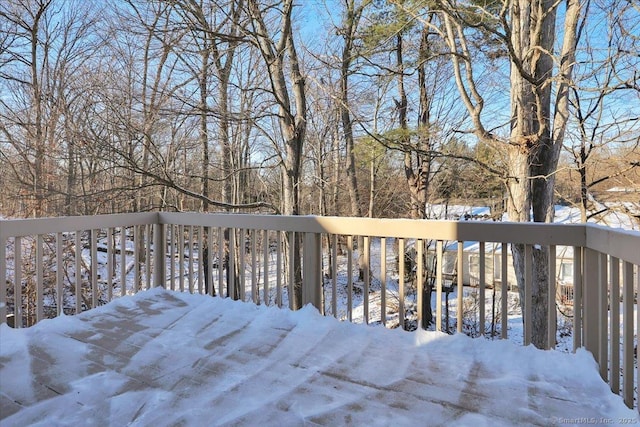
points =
(46, 50)
(539, 97)
(292, 115)
(215, 29)
(604, 81)
(348, 32)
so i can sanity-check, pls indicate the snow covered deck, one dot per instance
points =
(166, 358)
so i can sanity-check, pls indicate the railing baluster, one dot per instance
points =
(551, 314)
(591, 296)
(292, 273)
(209, 271)
(17, 283)
(138, 254)
(94, 268)
(334, 276)
(147, 255)
(577, 297)
(3, 278)
(159, 256)
(170, 234)
(110, 237)
(39, 278)
(231, 272)
(141, 253)
(201, 271)
(439, 285)
(419, 282)
(482, 286)
(279, 268)
(181, 257)
(265, 268)
(614, 342)
(78, 272)
(136, 259)
(367, 261)
(603, 326)
(350, 278)
(383, 281)
(312, 272)
(59, 274)
(460, 285)
(401, 283)
(190, 263)
(123, 261)
(254, 273)
(172, 257)
(528, 300)
(637, 349)
(504, 280)
(242, 266)
(628, 352)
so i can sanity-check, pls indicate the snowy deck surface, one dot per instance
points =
(164, 358)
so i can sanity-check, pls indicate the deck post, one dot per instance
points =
(312, 271)
(159, 276)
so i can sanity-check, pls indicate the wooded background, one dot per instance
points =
(336, 107)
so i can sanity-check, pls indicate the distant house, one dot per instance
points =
(493, 252)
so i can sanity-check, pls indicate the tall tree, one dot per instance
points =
(539, 110)
(215, 28)
(279, 53)
(606, 77)
(348, 33)
(44, 51)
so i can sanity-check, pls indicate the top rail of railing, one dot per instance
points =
(35, 226)
(622, 244)
(508, 232)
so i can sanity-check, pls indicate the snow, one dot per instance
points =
(614, 215)
(169, 358)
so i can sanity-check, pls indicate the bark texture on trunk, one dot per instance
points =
(537, 134)
(539, 114)
(292, 117)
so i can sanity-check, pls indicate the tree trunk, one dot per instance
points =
(292, 118)
(39, 169)
(536, 133)
(352, 18)
(345, 116)
(534, 148)
(204, 134)
(419, 180)
(336, 173)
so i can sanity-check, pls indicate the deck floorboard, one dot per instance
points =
(176, 363)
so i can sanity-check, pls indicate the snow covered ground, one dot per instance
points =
(167, 358)
(614, 215)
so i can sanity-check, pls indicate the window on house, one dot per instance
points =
(489, 270)
(566, 272)
(497, 272)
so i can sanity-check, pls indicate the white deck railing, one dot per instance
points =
(70, 264)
